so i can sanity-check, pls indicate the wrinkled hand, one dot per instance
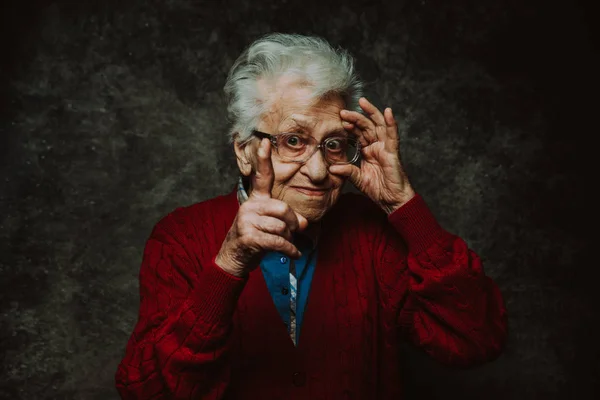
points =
(261, 224)
(380, 175)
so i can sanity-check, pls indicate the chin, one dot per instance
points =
(312, 214)
(315, 210)
(314, 218)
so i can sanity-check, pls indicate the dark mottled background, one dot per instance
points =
(112, 115)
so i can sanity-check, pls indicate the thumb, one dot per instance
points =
(263, 178)
(347, 170)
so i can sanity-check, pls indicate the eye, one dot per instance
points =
(293, 141)
(336, 144)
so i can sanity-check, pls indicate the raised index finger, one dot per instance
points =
(263, 178)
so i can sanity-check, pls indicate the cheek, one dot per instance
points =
(284, 174)
(338, 183)
(335, 194)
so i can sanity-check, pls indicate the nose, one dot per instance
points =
(316, 167)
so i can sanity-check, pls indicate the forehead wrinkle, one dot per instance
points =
(331, 132)
(304, 121)
(297, 121)
(307, 122)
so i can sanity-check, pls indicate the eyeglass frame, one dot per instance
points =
(319, 147)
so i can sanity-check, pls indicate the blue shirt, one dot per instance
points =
(275, 267)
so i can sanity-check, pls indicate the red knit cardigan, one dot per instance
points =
(205, 334)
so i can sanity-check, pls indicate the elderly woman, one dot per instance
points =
(287, 288)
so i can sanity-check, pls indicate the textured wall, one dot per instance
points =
(112, 115)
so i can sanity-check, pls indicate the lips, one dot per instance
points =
(311, 191)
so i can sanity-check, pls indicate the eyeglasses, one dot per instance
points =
(298, 148)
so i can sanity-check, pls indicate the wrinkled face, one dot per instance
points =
(309, 188)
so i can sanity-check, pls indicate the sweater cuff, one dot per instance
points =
(217, 294)
(416, 223)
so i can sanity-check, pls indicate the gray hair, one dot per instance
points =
(312, 60)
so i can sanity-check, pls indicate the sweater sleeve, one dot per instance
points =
(179, 346)
(440, 296)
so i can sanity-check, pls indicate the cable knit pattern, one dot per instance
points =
(205, 334)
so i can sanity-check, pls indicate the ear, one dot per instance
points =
(243, 154)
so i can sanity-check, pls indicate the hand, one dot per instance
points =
(380, 175)
(261, 224)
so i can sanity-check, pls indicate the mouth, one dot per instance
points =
(311, 191)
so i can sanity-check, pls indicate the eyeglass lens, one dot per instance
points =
(337, 149)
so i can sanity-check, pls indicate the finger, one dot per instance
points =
(263, 178)
(363, 126)
(271, 242)
(355, 131)
(281, 210)
(372, 111)
(391, 125)
(273, 226)
(357, 119)
(389, 117)
(347, 170)
(302, 222)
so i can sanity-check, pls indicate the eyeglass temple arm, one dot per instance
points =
(263, 135)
